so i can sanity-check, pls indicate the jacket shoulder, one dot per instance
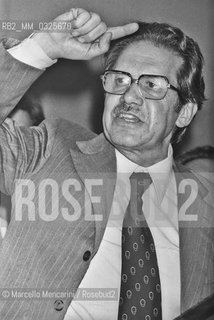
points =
(68, 132)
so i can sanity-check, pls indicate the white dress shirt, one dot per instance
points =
(160, 208)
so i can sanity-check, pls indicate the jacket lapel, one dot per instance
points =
(194, 235)
(95, 163)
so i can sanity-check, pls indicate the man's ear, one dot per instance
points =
(186, 114)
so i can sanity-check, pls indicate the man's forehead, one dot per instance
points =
(146, 53)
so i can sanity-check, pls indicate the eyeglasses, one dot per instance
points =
(151, 86)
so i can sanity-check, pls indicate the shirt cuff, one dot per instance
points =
(29, 52)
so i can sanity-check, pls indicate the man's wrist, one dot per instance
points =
(44, 42)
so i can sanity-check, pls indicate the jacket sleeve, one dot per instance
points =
(15, 79)
(22, 149)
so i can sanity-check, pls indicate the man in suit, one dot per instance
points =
(66, 182)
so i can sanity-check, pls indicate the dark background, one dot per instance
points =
(72, 89)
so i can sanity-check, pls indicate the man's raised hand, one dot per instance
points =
(88, 36)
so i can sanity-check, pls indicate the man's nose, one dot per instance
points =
(133, 95)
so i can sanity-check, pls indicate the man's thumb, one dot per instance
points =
(104, 42)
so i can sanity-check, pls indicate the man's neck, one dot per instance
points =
(145, 158)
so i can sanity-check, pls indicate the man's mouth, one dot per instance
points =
(128, 113)
(128, 117)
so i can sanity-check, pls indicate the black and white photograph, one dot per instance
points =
(106, 160)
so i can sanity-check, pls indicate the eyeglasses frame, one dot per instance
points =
(169, 85)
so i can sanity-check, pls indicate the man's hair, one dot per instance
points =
(189, 77)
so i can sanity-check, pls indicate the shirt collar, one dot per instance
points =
(160, 172)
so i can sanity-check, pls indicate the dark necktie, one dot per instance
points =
(140, 292)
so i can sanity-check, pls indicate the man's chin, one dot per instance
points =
(126, 134)
(124, 141)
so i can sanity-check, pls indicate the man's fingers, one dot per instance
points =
(80, 18)
(93, 34)
(89, 26)
(122, 31)
(104, 42)
(88, 36)
(84, 22)
(76, 16)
